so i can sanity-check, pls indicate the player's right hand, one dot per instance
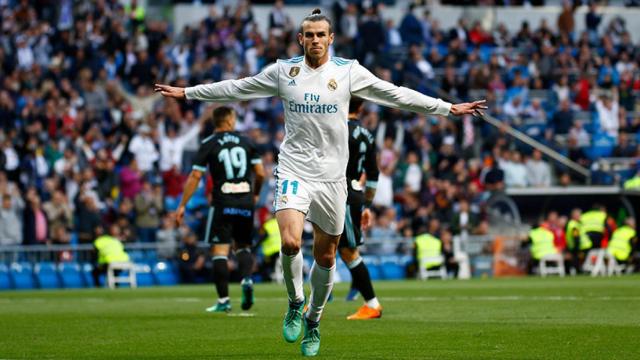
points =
(179, 215)
(365, 220)
(169, 91)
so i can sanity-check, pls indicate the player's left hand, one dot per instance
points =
(170, 91)
(473, 108)
(365, 220)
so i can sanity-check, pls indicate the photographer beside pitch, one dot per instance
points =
(310, 178)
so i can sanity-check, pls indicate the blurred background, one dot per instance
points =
(89, 151)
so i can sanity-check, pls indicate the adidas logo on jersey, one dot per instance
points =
(292, 83)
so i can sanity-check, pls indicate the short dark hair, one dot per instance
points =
(316, 15)
(221, 114)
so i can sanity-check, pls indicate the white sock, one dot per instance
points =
(373, 303)
(223, 300)
(321, 284)
(293, 277)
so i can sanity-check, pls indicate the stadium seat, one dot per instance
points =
(151, 255)
(119, 273)
(594, 262)
(71, 275)
(144, 276)
(136, 255)
(165, 274)
(87, 276)
(552, 264)
(425, 273)
(343, 274)
(5, 283)
(46, 275)
(392, 270)
(21, 276)
(373, 264)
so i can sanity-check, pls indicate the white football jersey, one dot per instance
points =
(316, 107)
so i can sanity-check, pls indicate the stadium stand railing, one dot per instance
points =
(71, 266)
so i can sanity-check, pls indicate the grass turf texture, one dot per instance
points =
(530, 318)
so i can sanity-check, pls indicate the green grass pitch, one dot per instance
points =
(529, 318)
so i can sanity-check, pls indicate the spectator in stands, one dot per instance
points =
(172, 146)
(579, 134)
(492, 176)
(386, 227)
(535, 113)
(514, 109)
(464, 221)
(387, 165)
(131, 178)
(417, 66)
(68, 164)
(191, 260)
(372, 37)
(624, 149)
(167, 237)
(592, 22)
(413, 174)
(566, 23)
(58, 212)
(149, 205)
(539, 171)
(143, 149)
(88, 217)
(515, 171)
(411, 28)
(563, 118)
(11, 218)
(173, 181)
(607, 107)
(36, 227)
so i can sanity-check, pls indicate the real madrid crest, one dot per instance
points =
(294, 71)
(284, 199)
(332, 85)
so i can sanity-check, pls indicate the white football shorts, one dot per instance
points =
(323, 203)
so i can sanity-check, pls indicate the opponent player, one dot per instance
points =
(237, 172)
(362, 161)
(310, 178)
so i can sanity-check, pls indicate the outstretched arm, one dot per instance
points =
(366, 85)
(262, 85)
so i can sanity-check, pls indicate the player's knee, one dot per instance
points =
(290, 245)
(326, 260)
(348, 255)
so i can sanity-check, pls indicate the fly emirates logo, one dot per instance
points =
(312, 105)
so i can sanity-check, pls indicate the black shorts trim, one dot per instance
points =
(228, 224)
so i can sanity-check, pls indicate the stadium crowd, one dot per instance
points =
(87, 144)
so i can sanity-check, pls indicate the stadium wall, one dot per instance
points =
(512, 17)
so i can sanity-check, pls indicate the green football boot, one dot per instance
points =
(247, 294)
(220, 307)
(292, 324)
(311, 341)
